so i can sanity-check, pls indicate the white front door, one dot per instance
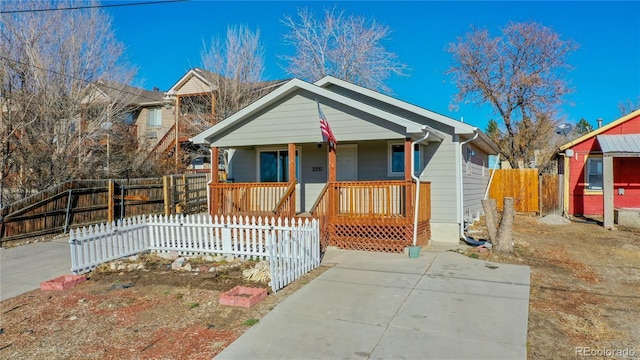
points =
(347, 162)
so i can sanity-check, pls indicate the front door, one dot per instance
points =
(347, 162)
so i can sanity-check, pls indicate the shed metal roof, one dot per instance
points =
(620, 145)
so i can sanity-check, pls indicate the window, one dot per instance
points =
(273, 165)
(396, 159)
(594, 173)
(154, 118)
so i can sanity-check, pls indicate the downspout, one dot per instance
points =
(417, 180)
(210, 181)
(461, 193)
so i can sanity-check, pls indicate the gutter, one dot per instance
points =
(417, 180)
(461, 193)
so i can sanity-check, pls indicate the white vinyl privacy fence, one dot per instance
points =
(292, 246)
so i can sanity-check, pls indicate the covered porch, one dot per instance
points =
(357, 210)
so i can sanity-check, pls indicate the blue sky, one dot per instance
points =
(164, 41)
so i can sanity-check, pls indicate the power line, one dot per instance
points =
(90, 6)
(78, 79)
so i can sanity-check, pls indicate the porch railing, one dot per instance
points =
(287, 204)
(372, 199)
(247, 198)
(373, 215)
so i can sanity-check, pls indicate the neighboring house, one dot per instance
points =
(142, 110)
(364, 191)
(599, 170)
(192, 102)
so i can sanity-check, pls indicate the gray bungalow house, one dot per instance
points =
(399, 174)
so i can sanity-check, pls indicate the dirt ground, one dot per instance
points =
(156, 313)
(585, 288)
(585, 296)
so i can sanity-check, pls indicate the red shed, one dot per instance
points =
(601, 170)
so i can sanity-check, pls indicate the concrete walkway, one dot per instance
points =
(387, 306)
(24, 267)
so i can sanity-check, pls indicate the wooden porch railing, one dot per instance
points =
(372, 199)
(247, 198)
(373, 215)
(287, 205)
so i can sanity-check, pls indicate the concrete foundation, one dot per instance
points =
(629, 217)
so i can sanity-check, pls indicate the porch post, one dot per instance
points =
(292, 176)
(213, 191)
(292, 162)
(607, 187)
(332, 163)
(407, 159)
(333, 198)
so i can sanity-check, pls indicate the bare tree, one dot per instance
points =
(347, 47)
(51, 129)
(628, 106)
(236, 66)
(521, 75)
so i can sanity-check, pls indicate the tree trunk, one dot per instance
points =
(491, 219)
(505, 233)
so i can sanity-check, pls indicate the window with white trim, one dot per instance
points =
(396, 159)
(593, 174)
(154, 118)
(273, 165)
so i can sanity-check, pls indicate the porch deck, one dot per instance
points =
(358, 215)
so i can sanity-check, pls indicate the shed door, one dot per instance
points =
(347, 162)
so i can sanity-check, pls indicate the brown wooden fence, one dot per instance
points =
(532, 192)
(79, 203)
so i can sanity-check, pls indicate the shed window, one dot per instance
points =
(594, 173)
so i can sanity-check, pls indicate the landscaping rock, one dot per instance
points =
(203, 268)
(219, 258)
(208, 258)
(187, 267)
(230, 258)
(121, 267)
(171, 255)
(177, 264)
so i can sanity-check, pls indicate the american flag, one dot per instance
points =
(327, 134)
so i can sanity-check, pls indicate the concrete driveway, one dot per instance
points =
(442, 305)
(24, 267)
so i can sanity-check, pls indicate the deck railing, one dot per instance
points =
(372, 199)
(373, 215)
(246, 198)
(287, 204)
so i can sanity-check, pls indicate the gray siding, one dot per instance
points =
(475, 183)
(441, 170)
(242, 166)
(295, 119)
(313, 174)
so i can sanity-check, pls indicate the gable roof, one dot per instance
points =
(131, 95)
(600, 130)
(294, 85)
(205, 76)
(459, 127)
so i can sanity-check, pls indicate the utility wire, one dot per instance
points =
(79, 79)
(90, 7)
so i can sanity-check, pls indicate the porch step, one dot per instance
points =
(304, 214)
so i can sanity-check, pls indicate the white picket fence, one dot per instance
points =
(292, 246)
